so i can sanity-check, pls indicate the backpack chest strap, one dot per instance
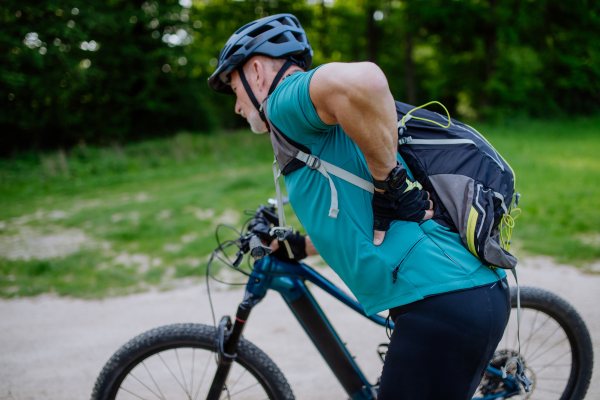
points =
(326, 169)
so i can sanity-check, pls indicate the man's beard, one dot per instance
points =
(256, 124)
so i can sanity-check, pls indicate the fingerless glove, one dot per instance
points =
(406, 203)
(297, 244)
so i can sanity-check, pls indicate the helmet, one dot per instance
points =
(277, 36)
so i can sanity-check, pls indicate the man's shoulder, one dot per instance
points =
(295, 82)
(291, 110)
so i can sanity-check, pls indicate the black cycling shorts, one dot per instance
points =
(442, 344)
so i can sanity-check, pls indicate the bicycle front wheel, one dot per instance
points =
(556, 350)
(179, 361)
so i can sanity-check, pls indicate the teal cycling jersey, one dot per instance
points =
(414, 261)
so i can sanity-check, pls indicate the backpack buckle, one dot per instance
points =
(313, 162)
(404, 140)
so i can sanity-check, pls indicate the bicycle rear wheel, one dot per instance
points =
(556, 350)
(179, 361)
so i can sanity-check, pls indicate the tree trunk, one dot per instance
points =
(410, 71)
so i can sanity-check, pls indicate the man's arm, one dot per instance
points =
(357, 96)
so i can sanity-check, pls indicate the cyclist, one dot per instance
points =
(449, 309)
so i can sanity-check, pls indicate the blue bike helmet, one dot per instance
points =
(277, 36)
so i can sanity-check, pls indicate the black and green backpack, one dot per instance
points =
(472, 186)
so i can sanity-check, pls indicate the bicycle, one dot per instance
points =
(556, 351)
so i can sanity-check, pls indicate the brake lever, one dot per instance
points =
(238, 260)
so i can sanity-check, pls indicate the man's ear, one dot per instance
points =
(258, 73)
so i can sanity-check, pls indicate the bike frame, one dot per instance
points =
(289, 280)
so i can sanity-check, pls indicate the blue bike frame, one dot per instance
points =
(288, 279)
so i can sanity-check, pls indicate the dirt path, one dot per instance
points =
(53, 348)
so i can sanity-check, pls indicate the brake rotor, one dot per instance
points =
(492, 384)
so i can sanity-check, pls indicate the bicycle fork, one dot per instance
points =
(226, 348)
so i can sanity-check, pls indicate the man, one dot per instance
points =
(449, 310)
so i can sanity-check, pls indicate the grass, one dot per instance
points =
(557, 167)
(109, 221)
(147, 212)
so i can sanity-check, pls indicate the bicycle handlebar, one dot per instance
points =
(258, 250)
(259, 230)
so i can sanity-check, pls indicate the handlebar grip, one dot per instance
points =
(257, 249)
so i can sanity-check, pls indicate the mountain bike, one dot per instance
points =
(195, 361)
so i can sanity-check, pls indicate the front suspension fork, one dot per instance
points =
(226, 347)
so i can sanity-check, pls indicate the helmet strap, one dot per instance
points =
(282, 71)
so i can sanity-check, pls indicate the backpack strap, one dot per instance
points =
(291, 156)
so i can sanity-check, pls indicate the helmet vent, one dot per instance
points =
(285, 21)
(253, 42)
(233, 50)
(299, 37)
(279, 39)
(259, 30)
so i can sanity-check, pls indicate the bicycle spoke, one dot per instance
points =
(551, 379)
(172, 374)
(546, 366)
(243, 390)
(548, 390)
(226, 389)
(144, 385)
(545, 341)
(238, 379)
(130, 392)
(192, 374)
(202, 379)
(527, 342)
(151, 377)
(549, 348)
(182, 375)
(553, 361)
(537, 330)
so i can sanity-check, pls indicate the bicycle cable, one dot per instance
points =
(221, 246)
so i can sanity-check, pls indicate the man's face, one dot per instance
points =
(244, 106)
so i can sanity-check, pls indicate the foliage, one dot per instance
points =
(146, 75)
(145, 214)
(75, 71)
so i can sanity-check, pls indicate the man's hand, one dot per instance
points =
(301, 246)
(403, 204)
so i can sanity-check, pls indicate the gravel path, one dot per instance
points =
(53, 348)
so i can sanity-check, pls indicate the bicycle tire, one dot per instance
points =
(573, 326)
(186, 336)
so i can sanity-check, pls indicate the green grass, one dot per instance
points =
(557, 167)
(144, 214)
(147, 211)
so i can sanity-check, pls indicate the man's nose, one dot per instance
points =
(238, 107)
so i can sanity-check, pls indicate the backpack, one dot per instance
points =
(471, 185)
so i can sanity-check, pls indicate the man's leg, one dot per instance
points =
(442, 344)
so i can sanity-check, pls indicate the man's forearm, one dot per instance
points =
(310, 248)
